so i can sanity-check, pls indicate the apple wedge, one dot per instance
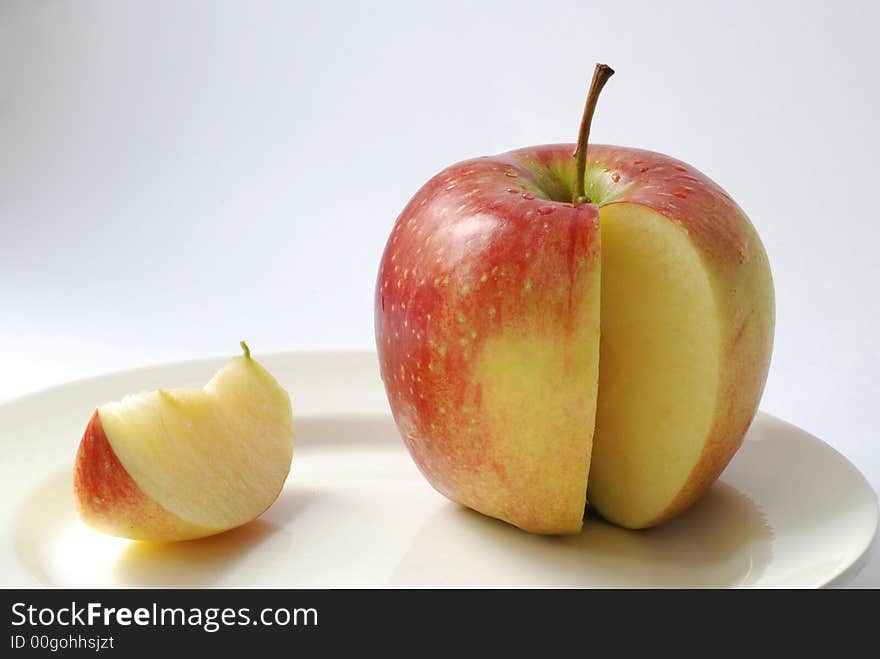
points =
(186, 463)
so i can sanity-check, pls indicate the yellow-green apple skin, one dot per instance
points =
(186, 463)
(487, 325)
(489, 300)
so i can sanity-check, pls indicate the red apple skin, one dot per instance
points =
(486, 217)
(473, 256)
(109, 500)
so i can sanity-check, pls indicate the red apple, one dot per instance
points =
(490, 297)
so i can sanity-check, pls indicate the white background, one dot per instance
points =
(177, 176)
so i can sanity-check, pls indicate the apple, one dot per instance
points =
(552, 329)
(186, 463)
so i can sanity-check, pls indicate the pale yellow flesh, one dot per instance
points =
(216, 457)
(659, 365)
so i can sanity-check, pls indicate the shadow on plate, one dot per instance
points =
(724, 540)
(191, 563)
(202, 562)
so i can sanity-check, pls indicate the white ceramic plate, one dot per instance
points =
(788, 511)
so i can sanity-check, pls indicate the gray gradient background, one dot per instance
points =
(176, 176)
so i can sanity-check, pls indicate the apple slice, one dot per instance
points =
(186, 463)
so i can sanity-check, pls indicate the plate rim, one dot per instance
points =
(195, 361)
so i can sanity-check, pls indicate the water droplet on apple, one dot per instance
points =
(511, 173)
(546, 210)
(513, 190)
(528, 195)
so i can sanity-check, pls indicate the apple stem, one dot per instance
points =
(244, 347)
(600, 77)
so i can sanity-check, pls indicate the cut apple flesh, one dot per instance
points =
(659, 365)
(206, 460)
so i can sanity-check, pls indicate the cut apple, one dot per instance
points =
(487, 307)
(186, 463)
(486, 294)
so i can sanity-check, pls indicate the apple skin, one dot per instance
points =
(108, 499)
(490, 246)
(479, 270)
